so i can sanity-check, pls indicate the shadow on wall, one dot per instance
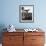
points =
(2, 26)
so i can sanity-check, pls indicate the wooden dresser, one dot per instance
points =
(23, 39)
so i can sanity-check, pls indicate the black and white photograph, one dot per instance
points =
(26, 13)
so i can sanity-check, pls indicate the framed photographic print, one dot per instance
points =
(26, 13)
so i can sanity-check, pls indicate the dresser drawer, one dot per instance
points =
(34, 33)
(13, 33)
(37, 39)
(37, 44)
(12, 39)
(13, 44)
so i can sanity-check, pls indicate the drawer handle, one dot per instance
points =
(33, 39)
(11, 38)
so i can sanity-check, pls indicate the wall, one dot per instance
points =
(9, 13)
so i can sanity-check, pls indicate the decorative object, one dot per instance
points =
(11, 28)
(31, 30)
(26, 13)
